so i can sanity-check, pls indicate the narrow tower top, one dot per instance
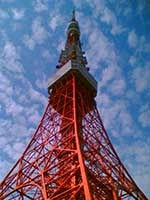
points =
(73, 27)
(72, 58)
(73, 15)
(73, 49)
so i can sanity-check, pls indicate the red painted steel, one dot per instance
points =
(70, 156)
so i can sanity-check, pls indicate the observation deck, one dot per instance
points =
(69, 67)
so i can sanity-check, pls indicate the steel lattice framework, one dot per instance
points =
(70, 156)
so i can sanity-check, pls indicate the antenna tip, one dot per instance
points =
(73, 15)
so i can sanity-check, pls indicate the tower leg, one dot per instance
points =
(114, 194)
(80, 157)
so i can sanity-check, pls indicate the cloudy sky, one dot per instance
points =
(116, 39)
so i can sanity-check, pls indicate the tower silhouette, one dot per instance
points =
(70, 156)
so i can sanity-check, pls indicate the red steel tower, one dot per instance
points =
(70, 156)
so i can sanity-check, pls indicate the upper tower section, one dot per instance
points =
(73, 49)
(73, 32)
(72, 60)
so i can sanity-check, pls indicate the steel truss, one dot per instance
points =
(70, 156)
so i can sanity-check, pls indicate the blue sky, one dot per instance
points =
(116, 39)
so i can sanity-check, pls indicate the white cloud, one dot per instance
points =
(133, 97)
(39, 34)
(109, 18)
(116, 114)
(132, 39)
(14, 150)
(137, 159)
(56, 19)
(5, 85)
(97, 6)
(18, 117)
(108, 116)
(112, 80)
(117, 29)
(42, 82)
(17, 13)
(40, 5)
(19, 106)
(28, 93)
(4, 167)
(117, 87)
(3, 14)
(143, 45)
(127, 11)
(16, 128)
(54, 22)
(61, 45)
(103, 99)
(109, 73)
(144, 117)
(39, 31)
(10, 58)
(46, 54)
(34, 117)
(100, 49)
(132, 60)
(36, 96)
(142, 48)
(4, 141)
(126, 119)
(78, 3)
(18, 146)
(32, 114)
(86, 23)
(141, 78)
(29, 42)
(12, 108)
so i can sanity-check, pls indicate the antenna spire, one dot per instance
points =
(73, 15)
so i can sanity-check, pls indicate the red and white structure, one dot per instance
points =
(70, 156)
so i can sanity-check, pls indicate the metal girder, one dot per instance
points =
(70, 156)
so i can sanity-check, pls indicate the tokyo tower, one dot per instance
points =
(70, 156)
